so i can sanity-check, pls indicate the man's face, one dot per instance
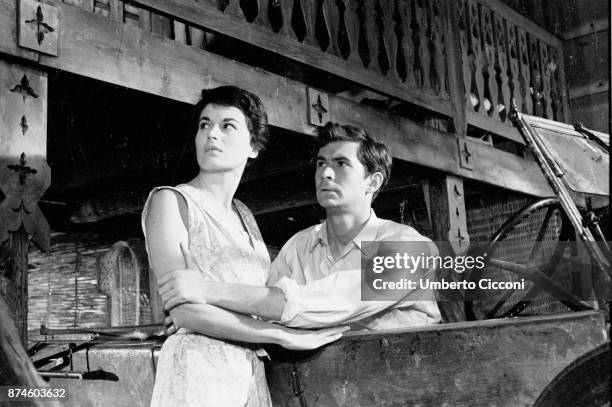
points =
(341, 179)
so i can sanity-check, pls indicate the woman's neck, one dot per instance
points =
(218, 187)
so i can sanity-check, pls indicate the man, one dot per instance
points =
(315, 280)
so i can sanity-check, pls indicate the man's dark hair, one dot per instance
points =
(372, 153)
(248, 103)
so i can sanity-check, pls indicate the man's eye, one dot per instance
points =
(320, 164)
(341, 163)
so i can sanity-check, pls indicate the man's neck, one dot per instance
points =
(342, 228)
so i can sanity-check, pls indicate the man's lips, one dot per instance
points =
(327, 189)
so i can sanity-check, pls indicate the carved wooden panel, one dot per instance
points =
(38, 26)
(318, 107)
(24, 173)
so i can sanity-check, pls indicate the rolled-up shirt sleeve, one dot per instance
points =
(333, 300)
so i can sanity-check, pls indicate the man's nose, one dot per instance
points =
(327, 172)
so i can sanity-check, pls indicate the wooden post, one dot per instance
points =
(24, 177)
(445, 201)
(15, 285)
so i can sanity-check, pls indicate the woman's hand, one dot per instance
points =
(180, 286)
(300, 339)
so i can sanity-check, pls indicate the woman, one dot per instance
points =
(210, 360)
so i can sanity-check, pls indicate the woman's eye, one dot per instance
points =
(229, 126)
(204, 125)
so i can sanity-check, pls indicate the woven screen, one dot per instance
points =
(486, 213)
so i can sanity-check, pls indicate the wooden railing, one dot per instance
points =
(505, 57)
(396, 47)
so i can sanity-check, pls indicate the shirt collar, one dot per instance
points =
(368, 233)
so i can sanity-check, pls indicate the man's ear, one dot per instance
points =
(376, 181)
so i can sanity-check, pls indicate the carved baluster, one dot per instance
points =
(438, 54)
(536, 76)
(405, 48)
(116, 10)
(286, 12)
(488, 70)
(525, 72)
(265, 9)
(351, 19)
(232, 7)
(547, 72)
(197, 37)
(514, 83)
(329, 10)
(385, 53)
(161, 25)
(88, 5)
(309, 8)
(477, 89)
(557, 93)
(299, 25)
(419, 37)
(501, 68)
(467, 55)
(102, 8)
(180, 32)
(131, 15)
(370, 32)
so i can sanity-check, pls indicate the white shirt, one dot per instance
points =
(322, 291)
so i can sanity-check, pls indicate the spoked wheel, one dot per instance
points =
(535, 244)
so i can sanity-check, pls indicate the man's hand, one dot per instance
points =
(180, 286)
(298, 339)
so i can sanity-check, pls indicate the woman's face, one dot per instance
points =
(223, 140)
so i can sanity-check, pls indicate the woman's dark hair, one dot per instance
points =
(248, 103)
(372, 153)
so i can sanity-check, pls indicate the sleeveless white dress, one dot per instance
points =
(197, 370)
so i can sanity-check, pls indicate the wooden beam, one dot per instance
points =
(587, 28)
(100, 48)
(589, 90)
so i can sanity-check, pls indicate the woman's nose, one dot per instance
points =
(214, 131)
